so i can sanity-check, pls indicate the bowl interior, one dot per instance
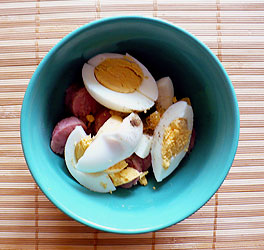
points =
(165, 51)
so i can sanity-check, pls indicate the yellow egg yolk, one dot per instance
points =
(151, 122)
(90, 118)
(119, 74)
(117, 167)
(117, 113)
(104, 185)
(142, 179)
(175, 139)
(125, 176)
(81, 146)
(186, 99)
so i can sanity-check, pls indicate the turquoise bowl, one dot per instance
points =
(165, 50)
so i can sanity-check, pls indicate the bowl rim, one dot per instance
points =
(51, 53)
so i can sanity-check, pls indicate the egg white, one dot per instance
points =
(98, 182)
(142, 99)
(112, 124)
(144, 145)
(123, 102)
(96, 60)
(178, 110)
(111, 147)
(166, 92)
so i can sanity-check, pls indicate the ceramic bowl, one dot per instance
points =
(166, 50)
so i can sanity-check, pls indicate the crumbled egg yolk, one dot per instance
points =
(81, 146)
(143, 181)
(142, 178)
(175, 139)
(119, 74)
(159, 108)
(125, 176)
(104, 185)
(151, 122)
(117, 113)
(90, 118)
(186, 99)
(162, 110)
(117, 167)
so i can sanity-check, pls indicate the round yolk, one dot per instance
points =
(118, 74)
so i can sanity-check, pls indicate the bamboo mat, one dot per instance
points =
(232, 219)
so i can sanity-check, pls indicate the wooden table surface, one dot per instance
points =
(232, 219)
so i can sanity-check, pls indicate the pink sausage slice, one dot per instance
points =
(135, 162)
(80, 103)
(69, 94)
(140, 165)
(192, 141)
(130, 184)
(61, 132)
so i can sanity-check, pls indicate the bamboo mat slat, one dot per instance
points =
(232, 219)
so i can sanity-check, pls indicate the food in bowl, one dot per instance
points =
(195, 72)
(122, 122)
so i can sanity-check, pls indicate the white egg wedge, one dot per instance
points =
(97, 182)
(144, 146)
(112, 124)
(166, 92)
(178, 110)
(141, 99)
(112, 146)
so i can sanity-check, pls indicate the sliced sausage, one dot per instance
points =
(100, 118)
(138, 163)
(70, 92)
(135, 162)
(90, 129)
(130, 184)
(61, 132)
(146, 163)
(192, 141)
(80, 103)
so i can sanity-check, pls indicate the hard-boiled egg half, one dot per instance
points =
(171, 139)
(98, 163)
(112, 145)
(144, 146)
(98, 182)
(120, 82)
